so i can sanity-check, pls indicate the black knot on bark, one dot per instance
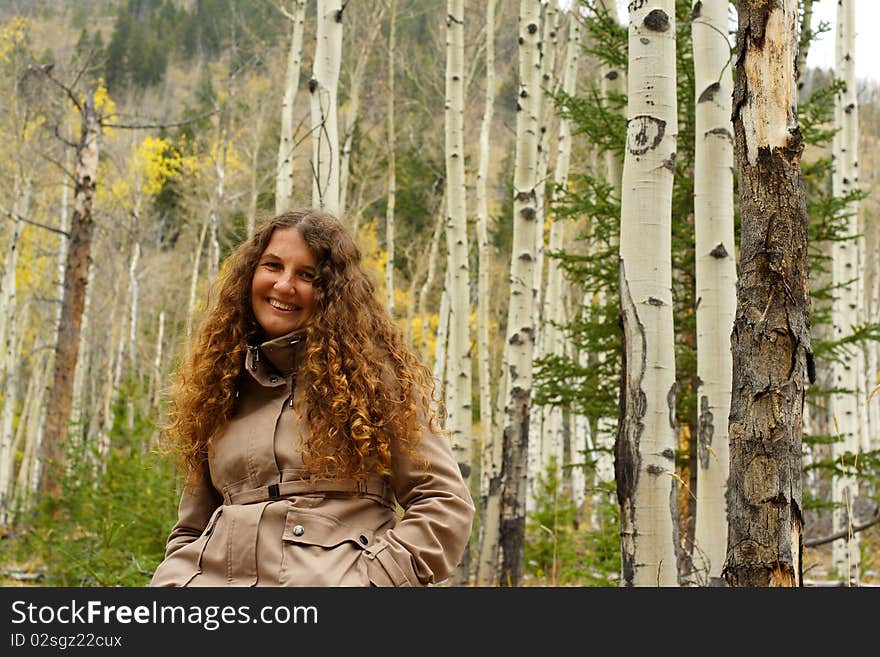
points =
(523, 94)
(612, 75)
(697, 10)
(532, 28)
(709, 92)
(528, 214)
(520, 41)
(657, 20)
(718, 252)
(313, 85)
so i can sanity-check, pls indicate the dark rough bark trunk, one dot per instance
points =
(771, 333)
(511, 532)
(75, 282)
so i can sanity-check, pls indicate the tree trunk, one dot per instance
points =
(392, 172)
(484, 259)
(75, 281)
(646, 439)
(322, 87)
(353, 106)
(284, 174)
(521, 309)
(11, 313)
(458, 388)
(844, 403)
(554, 311)
(715, 279)
(771, 333)
(429, 277)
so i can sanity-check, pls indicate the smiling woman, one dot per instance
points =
(302, 421)
(282, 295)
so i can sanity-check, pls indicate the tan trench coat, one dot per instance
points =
(254, 520)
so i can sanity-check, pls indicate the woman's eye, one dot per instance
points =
(307, 276)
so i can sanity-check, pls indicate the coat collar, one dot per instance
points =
(282, 355)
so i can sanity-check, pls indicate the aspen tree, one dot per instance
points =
(554, 311)
(483, 255)
(458, 364)
(489, 466)
(844, 401)
(10, 308)
(612, 80)
(715, 277)
(433, 252)
(352, 109)
(75, 277)
(323, 90)
(392, 172)
(537, 455)
(284, 173)
(646, 439)
(771, 334)
(521, 309)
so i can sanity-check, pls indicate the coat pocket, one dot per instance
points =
(191, 555)
(319, 550)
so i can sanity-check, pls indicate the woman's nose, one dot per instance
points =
(285, 282)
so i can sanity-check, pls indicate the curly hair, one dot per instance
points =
(365, 388)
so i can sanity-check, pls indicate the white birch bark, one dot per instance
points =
(872, 359)
(392, 172)
(11, 313)
(844, 404)
(458, 387)
(715, 279)
(352, 110)
(483, 263)
(612, 80)
(520, 340)
(284, 173)
(537, 455)
(433, 253)
(156, 386)
(29, 424)
(217, 203)
(133, 303)
(645, 462)
(323, 92)
(458, 397)
(255, 171)
(440, 348)
(194, 278)
(554, 310)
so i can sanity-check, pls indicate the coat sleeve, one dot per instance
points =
(197, 504)
(428, 541)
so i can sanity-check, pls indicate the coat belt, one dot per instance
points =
(372, 485)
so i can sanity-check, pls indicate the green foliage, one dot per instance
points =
(109, 526)
(558, 551)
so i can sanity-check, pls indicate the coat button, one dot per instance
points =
(363, 539)
(273, 379)
(298, 530)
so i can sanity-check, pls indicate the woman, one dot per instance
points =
(304, 424)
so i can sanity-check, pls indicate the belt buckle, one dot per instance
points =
(274, 493)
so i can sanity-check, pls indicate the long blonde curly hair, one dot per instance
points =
(366, 389)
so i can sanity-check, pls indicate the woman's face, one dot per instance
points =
(282, 296)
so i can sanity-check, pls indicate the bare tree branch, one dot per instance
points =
(13, 215)
(813, 542)
(147, 126)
